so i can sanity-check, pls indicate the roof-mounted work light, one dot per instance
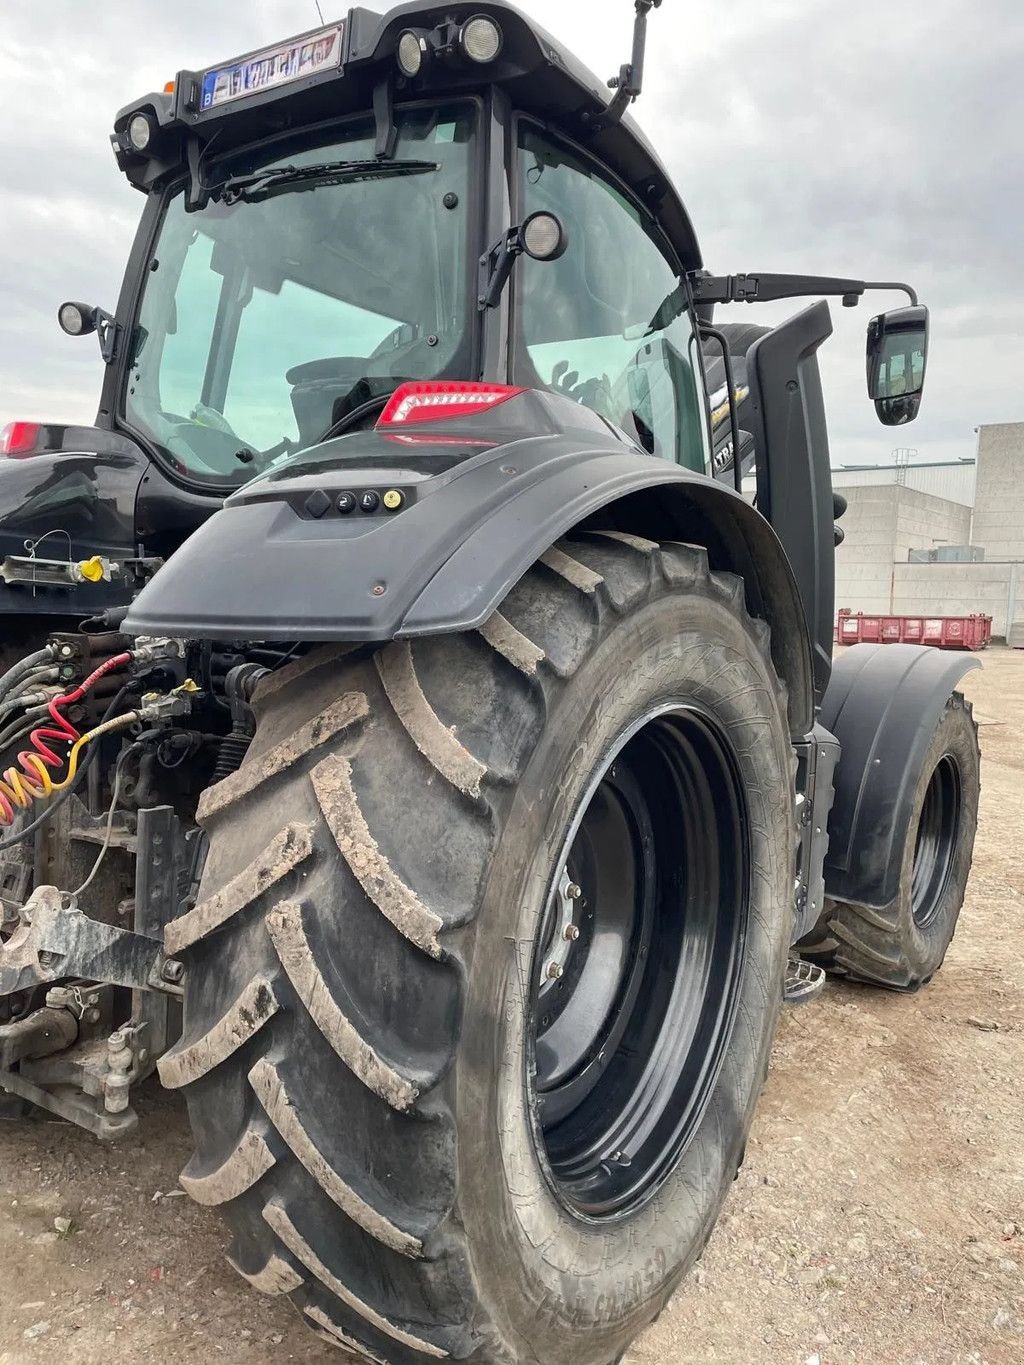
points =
(139, 133)
(480, 39)
(411, 53)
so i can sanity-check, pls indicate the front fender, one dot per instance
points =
(280, 562)
(882, 704)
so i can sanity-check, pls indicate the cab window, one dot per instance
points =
(598, 324)
(270, 320)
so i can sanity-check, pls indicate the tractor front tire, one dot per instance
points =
(902, 945)
(428, 851)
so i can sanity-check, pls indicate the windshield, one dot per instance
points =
(270, 319)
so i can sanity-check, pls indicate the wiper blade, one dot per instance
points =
(251, 189)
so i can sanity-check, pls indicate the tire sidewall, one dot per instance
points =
(545, 1272)
(925, 945)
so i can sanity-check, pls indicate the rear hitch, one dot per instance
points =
(63, 1056)
(55, 940)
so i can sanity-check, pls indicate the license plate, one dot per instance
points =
(275, 67)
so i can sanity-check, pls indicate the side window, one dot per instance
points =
(191, 314)
(595, 324)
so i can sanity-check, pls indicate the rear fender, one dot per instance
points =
(268, 567)
(882, 704)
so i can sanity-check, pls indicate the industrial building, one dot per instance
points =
(938, 539)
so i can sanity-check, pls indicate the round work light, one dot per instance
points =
(72, 319)
(140, 131)
(480, 39)
(411, 53)
(543, 237)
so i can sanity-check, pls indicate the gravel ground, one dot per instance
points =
(879, 1217)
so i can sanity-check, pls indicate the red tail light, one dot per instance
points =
(19, 438)
(442, 401)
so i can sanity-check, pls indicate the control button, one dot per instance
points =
(317, 504)
(393, 499)
(346, 503)
(369, 501)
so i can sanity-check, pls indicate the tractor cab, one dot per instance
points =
(328, 219)
(339, 215)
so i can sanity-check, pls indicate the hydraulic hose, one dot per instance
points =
(25, 685)
(23, 666)
(24, 725)
(30, 780)
(65, 794)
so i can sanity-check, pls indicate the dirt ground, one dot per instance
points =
(879, 1217)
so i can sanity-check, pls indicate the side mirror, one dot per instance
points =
(897, 358)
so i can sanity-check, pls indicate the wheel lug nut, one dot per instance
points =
(573, 891)
(571, 933)
(555, 971)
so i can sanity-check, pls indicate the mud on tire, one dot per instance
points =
(358, 964)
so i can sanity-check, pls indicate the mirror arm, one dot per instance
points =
(766, 288)
(629, 83)
(907, 289)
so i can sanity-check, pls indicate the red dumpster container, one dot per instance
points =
(943, 632)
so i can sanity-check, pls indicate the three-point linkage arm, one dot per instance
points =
(761, 287)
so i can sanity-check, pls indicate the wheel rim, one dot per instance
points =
(637, 966)
(935, 846)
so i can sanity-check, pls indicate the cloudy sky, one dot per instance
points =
(850, 137)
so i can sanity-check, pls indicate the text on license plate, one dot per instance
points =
(277, 66)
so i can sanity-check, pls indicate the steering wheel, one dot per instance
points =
(351, 419)
(206, 441)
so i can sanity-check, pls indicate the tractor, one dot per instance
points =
(421, 751)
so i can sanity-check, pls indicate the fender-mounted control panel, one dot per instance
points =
(354, 502)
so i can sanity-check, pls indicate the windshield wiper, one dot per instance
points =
(252, 189)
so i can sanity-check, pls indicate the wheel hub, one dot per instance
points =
(564, 932)
(936, 842)
(637, 964)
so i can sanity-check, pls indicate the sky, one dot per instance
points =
(861, 138)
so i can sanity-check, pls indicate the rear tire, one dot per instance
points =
(373, 937)
(903, 945)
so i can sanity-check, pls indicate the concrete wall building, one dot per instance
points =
(999, 499)
(901, 511)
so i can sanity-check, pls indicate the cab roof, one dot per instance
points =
(538, 74)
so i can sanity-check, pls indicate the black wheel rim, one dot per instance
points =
(935, 847)
(637, 967)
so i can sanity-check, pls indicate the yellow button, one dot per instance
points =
(393, 500)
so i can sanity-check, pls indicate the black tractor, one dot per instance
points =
(447, 814)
